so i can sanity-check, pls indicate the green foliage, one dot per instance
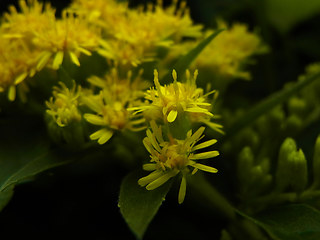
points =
(24, 154)
(290, 222)
(270, 102)
(285, 14)
(137, 205)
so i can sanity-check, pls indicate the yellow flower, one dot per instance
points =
(134, 36)
(173, 156)
(52, 38)
(229, 51)
(34, 16)
(17, 62)
(167, 102)
(63, 106)
(69, 35)
(110, 105)
(103, 13)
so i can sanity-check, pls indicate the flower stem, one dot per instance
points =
(211, 197)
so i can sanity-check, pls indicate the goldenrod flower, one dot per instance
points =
(133, 36)
(228, 52)
(63, 106)
(110, 105)
(102, 13)
(173, 156)
(17, 62)
(167, 102)
(51, 38)
(34, 16)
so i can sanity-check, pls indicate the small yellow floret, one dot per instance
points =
(167, 102)
(110, 105)
(169, 158)
(63, 106)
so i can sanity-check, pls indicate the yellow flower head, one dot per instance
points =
(51, 38)
(173, 156)
(69, 35)
(17, 62)
(63, 106)
(136, 34)
(34, 16)
(110, 105)
(167, 102)
(226, 54)
(103, 13)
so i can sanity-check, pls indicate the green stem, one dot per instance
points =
(211, 197)
(269, 103)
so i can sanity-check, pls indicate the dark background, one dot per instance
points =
(79, 201)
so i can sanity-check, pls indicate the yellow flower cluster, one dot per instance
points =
(227, 55)
(32, 38)
(63, 106)
(173, 156)
(164, 103)
(230, 50)
(110, 105)
(132, 36)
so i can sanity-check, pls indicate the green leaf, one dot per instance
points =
(5, 197)
(24, 152)
(137, 205)
(291, 222)
(183, 63)
(285, 14)
(269, 103)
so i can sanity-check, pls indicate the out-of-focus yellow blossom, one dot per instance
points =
(52, 38)
(103, 13)
(228, 52)
(167, 102)
(132, 36)
(110, 105)
(33, 17)
(69, 35)
(17, 62)
(171, 156)
(63, 106)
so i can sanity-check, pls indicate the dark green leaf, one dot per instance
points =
(284, 14)
(5, 197)
(24, 152)
(137, 205)
(291, 222)
(184, 62)
(269, 103)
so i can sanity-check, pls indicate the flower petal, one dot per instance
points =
(94, 119)
(74, 58)
(205, 155)
(204, 144)
(162, 179)
(205, 168)
(58, 59)
(150, 178)
(172, 116)
(182, 190)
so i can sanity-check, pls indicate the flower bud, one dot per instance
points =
(299, 171)
(292, 168)
(297, 106)
(73, 136)
(316, 164)
(245, 164)
(282, 173)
